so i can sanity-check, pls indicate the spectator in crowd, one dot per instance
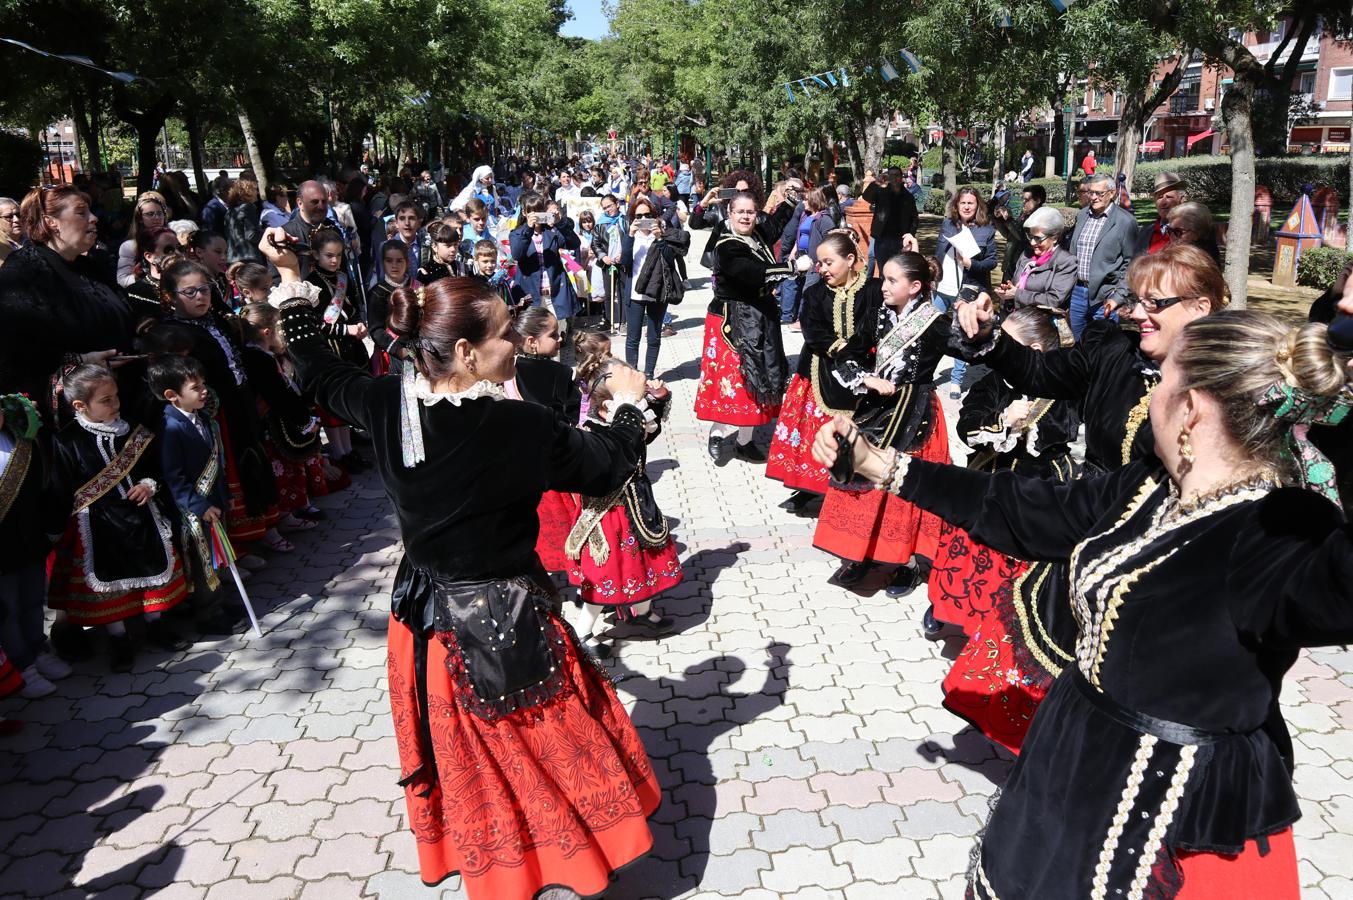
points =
(214, 212)
(312, 212)
(243, 227)
(813, 223)
(10, 235)
(567, 191)
(277, 207)
(1169, 190)
(1026, 166)
(1045, 273)
(683, 181)
(712, 212)
(1034, 196)
(1103, 242)
(895, 216)
(649, 258)
(965, 212)
(1088, 163)
(178, 196)
(1191, 223)
(149, 213)
(429, 194)
(1083, 193)
(341, 213)
(536, 243)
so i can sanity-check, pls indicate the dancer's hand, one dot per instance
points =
(211, 515)
(881, 386)
(140, 494)
(870, 461)
(975, 316)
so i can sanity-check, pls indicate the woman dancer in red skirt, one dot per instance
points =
(831, 315)
(892, 367)
(743, 370)
(520, 767)
(620, 550)
(1007, 667)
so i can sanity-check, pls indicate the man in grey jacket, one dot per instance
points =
(1103, 242)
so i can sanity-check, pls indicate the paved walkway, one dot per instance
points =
(796, 727)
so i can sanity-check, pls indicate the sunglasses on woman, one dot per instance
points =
(1150, 304)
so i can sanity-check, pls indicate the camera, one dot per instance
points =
(727, 193)
(545, 218)
(645, 224)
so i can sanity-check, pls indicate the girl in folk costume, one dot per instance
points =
(621, 550)
(250, 282)
(209, 248)
(1158, 765)
(521, 769)
(394, 256)
(588, 345)
(891, 365)
(743, 370)
(1009, 663)
(291, 429)
(218, 346)
(543, 379)
(445, 241)
(830, 316)
(116, 559)
(344, 328)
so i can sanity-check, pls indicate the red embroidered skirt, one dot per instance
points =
(965, 577)
(632, 573)
(556, 513)
(10, 678)
(879, 526)
(987, 687)
(293, 478)
(722, 396)
(241, 527)
(70, 591)
(791, 448)
(557, 794)
(1215, 876)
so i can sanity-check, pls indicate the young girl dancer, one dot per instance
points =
(620, 548)
(344, 328)
(588, 345)
(830, 316)
(1004, 671)
(544, 380)
(891, 365)
(394, 256)
(116, 558)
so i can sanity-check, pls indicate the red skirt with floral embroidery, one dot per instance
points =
(878, 526)
(10, 679)
(965, 577)
(722, 396)
(987, 687)
(791, 448)
(556, 794)
(70, 591)
(632, 573)
(241, 526)
(293, 478)
(557, 513)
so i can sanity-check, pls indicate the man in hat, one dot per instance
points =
(1169, 191)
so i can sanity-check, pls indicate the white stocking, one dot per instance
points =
(588, 620)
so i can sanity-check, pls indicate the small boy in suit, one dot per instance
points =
(192, 459)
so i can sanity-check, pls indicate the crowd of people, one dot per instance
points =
(179, 389)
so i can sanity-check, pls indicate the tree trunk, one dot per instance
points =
(950, 163)
(194, 128)
(875, 135)
(1237, 108)
(1138, 108)
(261, 168)
(147, 125)
(86, 127)
(999, 165)
(853, 150)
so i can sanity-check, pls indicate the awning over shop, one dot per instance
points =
(1201, 136)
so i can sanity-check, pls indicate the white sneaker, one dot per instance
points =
(34, 685)
(51, 666)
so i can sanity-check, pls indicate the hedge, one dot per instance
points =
(1320, 267)
(1209, 178)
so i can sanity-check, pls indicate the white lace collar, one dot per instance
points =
(422, 389)
(117, 427)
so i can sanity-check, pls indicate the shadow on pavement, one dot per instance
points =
(971, 750)
(681, 730)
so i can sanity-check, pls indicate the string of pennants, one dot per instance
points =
(124, 77)
(840, 77)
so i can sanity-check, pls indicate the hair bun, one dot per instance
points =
(1306, 360)
(406, 313)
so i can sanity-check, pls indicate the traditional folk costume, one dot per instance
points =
(26, 518)
(743, 370)
(338, 311)
(291, 432)
(830, 317)
(249, 482)
(520, 765)
(11, 680)
(1158, 757)
(1007, 667)
(387, 357)
(903, 348)
(193, 460)
(116, 559)
(620, 549)
(550, 383)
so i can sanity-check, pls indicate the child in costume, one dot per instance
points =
(344, 326)
(116, 559)
(621, 551)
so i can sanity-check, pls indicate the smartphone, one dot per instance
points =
(545, 218)
(727, 193)
(645, 224)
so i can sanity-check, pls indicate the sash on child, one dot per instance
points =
(111, 475)
(905, 333)
(587, 530)
(12, 479)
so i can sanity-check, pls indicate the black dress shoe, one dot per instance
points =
(71, 642)
(644, 623)
(751, 453)
(902, 583)
(599, 649)
(851, 573)
(931, 626)
(160, 634)
(121, 654)
(798, 501)
(722, 449)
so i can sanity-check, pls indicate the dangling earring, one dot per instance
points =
(1185, 449)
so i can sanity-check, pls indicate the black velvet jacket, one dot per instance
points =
(549, 383)
(285, 411)
(1165, 734)
(1103, 375)
(744, 295)
(996, 448)
(829, 319)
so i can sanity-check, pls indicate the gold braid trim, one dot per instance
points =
(843, 323)
(12, 479)
(586, 531)
(1134, 422)
(1054, 668)
(107, 478)
(1110, 614)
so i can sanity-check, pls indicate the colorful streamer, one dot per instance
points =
(839, 77)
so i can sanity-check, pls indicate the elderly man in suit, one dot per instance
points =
(1103, 242)
(1169, 191)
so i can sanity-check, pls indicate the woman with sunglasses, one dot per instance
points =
(156, 248)
(10, 234)
(1045, 273)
